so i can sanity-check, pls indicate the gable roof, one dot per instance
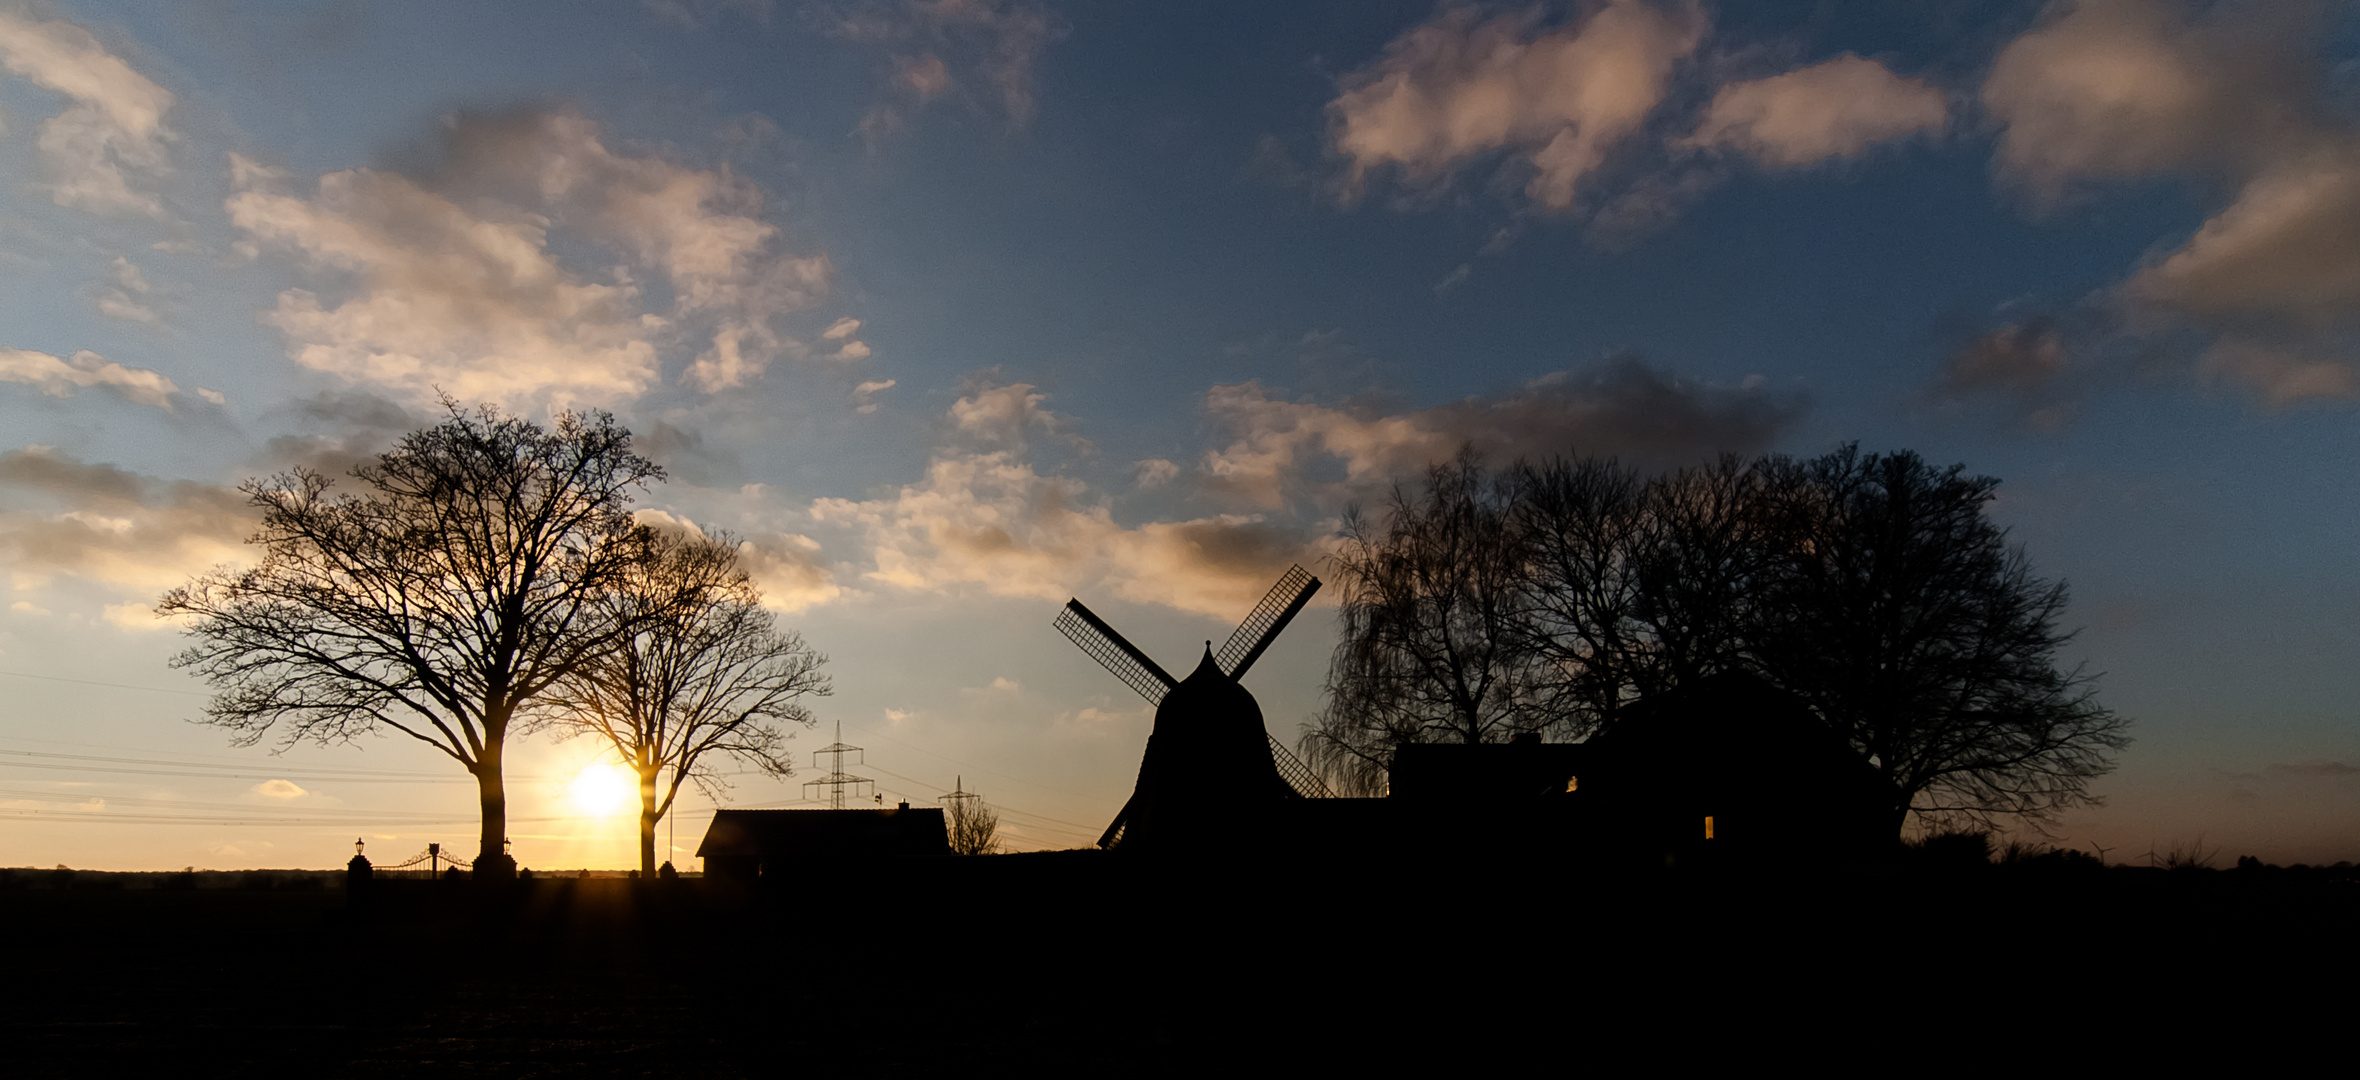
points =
(892, 831)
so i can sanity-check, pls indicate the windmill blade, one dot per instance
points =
(1269, 617)
(1119, 656)
(1113, 837)
(1297, 775)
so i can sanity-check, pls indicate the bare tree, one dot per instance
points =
(1874, 587)
(437, 603)
(1584, 524)
(974, 828)
(1432, 600)
(700, 670)
(1903, 615)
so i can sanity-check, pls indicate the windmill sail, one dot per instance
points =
(1277, 608)
(1130, 665)
(1297, 775)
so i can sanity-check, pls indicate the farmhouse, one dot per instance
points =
(747, 845)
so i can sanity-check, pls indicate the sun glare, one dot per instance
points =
(603, 789)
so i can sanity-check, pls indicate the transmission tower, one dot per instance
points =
(960, 799)
(836, 779)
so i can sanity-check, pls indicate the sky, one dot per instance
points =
(951, 310)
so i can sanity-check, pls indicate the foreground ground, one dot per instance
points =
(1083, 964)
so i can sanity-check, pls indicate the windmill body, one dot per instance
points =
(1211, 773)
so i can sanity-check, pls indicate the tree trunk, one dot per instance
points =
(647, 823)
(491, 856)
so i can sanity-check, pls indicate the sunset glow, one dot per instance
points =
(604, 789)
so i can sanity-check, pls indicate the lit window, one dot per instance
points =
(1708, 826)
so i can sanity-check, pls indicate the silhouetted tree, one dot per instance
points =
(1432, 602)
(1902, 614)
(1874, 587)
(1635, 586)
(440, 600)
(974, 828)
(1583, 524)
(700, 669)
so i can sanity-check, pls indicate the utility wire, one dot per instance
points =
(95, 682)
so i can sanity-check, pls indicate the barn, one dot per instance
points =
(749, 845)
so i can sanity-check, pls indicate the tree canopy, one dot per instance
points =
(1548, 597)
(458, 583)
(700, 668)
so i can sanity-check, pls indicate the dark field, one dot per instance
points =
(1084, 964)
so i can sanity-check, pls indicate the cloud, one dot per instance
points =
(444, 299)
(987, 520)
(786, 567)
(1004, 414)
(278, 789)
(937, 48)
(2288, 249)
(2022, 357)
(1155, 472)
(687, 456)
(454, 282)
(790, 571)
(60, 516)
(2314, 770)
(105, 148)
(1624, 409)
(62, 376)
(128, 299)
(2027, 362)
(2231, 95)
(864, 396)
(2121, 88)
(1554, 100)
(1834, 109)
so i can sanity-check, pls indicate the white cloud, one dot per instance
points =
(2287, 248)
(105, 148)
(864, 396)
(278, 789)
(60, 377)
(2112, 89)
(455, 284)
(137, 618)
(786, 567)
(2118, 88)
(444, 299)
(127, 300)
(1458, 90)
(1835, 109)
(987, 520)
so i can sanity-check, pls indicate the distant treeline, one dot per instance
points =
(21, 878)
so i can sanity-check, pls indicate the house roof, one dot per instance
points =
(892, 831)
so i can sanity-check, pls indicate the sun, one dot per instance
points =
(604, 789)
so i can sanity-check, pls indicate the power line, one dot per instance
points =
(978, 768)
(996, 805)
(95, 682)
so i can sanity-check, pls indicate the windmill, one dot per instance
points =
(1204, 775)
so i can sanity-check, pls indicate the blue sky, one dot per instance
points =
(954, 309)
